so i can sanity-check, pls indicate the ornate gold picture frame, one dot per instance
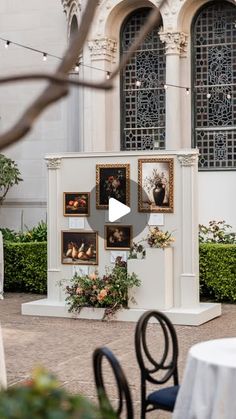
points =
(79, 247)
(118, 237)
(156, 185)
(112, 181)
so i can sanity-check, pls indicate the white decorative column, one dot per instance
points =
(102, 54)
(1, 267)
(189, 280)
(54, 204)
(175, 43)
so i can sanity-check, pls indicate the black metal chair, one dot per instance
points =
(157, 371)
(121, 381)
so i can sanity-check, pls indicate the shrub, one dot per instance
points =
(36, 234)
(217, 232)
(218, 271)
(43, 397)
(25, 266)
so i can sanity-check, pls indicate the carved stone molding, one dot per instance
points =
(176, 42)
(53, 163)
(188, 159)
(103, 48)
(68, 4)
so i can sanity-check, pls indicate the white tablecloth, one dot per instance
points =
(208, 389)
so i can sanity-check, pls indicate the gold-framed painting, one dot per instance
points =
(112, 181)
(76, 204)
(156, 185)
(118, 237)
(79, 247)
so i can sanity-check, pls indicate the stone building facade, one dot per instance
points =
(177, 92)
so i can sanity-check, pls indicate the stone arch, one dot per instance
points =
(73, 26)
(188, 11)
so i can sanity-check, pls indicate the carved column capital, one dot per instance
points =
(188, 159)
(176, 42)
(102, 48)
(53, 163)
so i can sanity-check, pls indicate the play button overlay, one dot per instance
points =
(117, 210)
(119, 213)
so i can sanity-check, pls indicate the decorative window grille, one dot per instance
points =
(214, 78)
(142, 107)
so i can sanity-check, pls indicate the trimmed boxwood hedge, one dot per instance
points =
(25, 267)
(217, 267)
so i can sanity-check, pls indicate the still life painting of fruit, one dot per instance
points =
(79, 248)
(76, 204)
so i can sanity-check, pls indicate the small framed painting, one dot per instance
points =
(118, 237)
(76, 204)
(112, 181)
(156, 185)
(79, 247)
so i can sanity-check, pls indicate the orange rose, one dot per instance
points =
(102, 294)
(93, 276)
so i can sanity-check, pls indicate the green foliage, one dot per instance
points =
(109, 291)
(217, 232)
(9, 176)
(25, 266)
(44, 398)
(218, 271)
(36, 234)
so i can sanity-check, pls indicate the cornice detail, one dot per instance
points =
(176, 42)
(187, 160)
(102, 48)
(53, 163)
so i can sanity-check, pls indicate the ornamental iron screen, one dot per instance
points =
(142, 107)
(214, 77)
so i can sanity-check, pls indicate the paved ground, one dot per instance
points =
(65, 346)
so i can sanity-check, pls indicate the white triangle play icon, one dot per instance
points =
(117, 210)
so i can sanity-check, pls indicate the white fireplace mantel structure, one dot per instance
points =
(77, 172)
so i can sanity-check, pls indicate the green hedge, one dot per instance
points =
(218, 271)
(25, 267)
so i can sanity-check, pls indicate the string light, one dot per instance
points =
(45, 56)
(228, 96)
(108, 75)
(138, 83)
(208, 95)
(187, 91)
(165, 86)
(77, 67)
(7, 44)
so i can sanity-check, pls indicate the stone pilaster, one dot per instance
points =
(102, 49)
(175, 42)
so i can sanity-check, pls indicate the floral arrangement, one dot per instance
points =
(158, 238)
(43, 397)
(109, 291)
(113, 186)
(150, 182)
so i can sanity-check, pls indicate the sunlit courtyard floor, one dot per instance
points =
(65, 346)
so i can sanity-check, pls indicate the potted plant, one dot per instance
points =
(109, 292)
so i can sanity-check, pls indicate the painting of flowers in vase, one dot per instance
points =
(112, 181)
(155, 185)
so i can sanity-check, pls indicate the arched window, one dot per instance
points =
(142, 93)
(73, 26)
(214, 78)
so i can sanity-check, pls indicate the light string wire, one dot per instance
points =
(138, 83)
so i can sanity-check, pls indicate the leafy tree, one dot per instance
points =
(9, 176)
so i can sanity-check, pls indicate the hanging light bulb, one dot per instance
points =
(138, 83)
(77, 67)
(7, 44)
(165, 86)
(228, 96)
(108, 75)
(208, 95)
(45, 56)
(187, 91)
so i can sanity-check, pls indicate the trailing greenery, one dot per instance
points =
(9, 176)
(217, 232)
(25, 267)
(217, 266)
(42, 397)
(35, 234)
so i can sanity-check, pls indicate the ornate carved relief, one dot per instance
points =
(188, 159)
(103, 48)
(53, 162)
(176, 42)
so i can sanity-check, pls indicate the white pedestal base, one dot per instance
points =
(183, 316)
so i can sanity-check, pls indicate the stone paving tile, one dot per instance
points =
(65, 346)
